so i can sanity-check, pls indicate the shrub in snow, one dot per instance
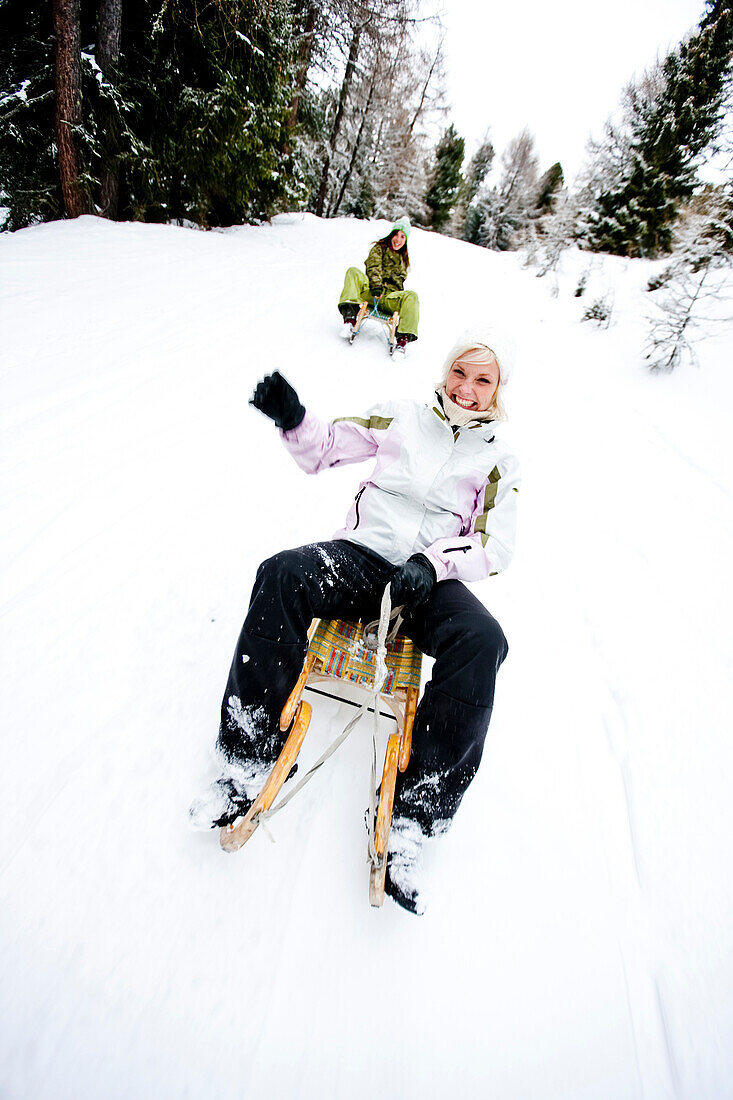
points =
(582, 283)
(695, 283)
(600, 311)
(681, 313)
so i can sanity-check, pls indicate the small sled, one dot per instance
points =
(339, 650)
(388, 321)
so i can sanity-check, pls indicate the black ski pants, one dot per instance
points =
(341, 580)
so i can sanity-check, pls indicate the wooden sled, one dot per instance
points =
(338, 651)
(389, 321)
(232, 837)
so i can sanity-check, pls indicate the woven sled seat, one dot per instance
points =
(337, 650)
(379, 315)
(341, 652)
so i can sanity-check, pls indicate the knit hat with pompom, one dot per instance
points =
(489, 340)
(487, 336)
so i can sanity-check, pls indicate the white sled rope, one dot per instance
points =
(392, 675)
(370, 700)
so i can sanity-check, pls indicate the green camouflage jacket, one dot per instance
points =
(385, 268)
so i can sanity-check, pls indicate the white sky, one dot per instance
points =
(558, 68)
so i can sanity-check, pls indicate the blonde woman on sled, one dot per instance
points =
(437, 510)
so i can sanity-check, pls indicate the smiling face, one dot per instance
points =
(398, 240)
(473, 380)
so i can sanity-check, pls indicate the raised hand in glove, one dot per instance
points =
(375, 291)
(276, 398)
(413, 582)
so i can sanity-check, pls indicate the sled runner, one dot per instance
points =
(342, 651)
(388, 321)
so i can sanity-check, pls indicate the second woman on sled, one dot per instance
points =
(386, 269)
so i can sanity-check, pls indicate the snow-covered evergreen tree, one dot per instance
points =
(215, 116)
(549, 187)
(181, 110)
(498, 214)
(445, 180)
(647, 163)
(476, 172)
(540, 219)
(30, 186)
(558, 230)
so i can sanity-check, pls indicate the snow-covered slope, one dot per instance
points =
(579, 943)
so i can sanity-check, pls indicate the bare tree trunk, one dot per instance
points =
(387, 90)
(425, 87)
(67, 78)
(378, 142)
(354, 153)
(304, 56)
(108, 54)
(343, 96)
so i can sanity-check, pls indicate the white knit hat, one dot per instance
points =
(487, 336)
(402, 225)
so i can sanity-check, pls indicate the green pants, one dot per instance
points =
(356, 291)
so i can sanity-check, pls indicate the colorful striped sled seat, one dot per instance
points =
(337, 650)
(341, 652)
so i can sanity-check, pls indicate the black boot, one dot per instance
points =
(221, 805)
(403, 882)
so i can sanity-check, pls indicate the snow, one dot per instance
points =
(91, 61)
(579, 943)
(21, 92)
(243, 38)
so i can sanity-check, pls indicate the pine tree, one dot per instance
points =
(109, 29)
(548, 225)
(498, 214)
(476, 172)
(548, 188)
(180, 110)
(30, 186)
(446, 178)
(67, 87)
(213, 84)
(647, 167)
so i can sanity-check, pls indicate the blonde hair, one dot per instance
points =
(497, 405)
(478, 353)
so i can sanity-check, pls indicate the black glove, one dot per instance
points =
(276, 398)
(375, 291)
(413, 582)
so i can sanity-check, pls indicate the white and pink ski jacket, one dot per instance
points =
(448, 493)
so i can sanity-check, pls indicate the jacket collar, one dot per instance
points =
(486, 425)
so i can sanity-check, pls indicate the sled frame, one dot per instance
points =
(388, 321)
(296, 716)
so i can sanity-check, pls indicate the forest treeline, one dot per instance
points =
(214, 111)
(218, 112)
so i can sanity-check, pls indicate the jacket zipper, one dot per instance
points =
(455, 549)
(357, 498)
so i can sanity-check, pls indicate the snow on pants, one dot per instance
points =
(340, 579)
(356, 290)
